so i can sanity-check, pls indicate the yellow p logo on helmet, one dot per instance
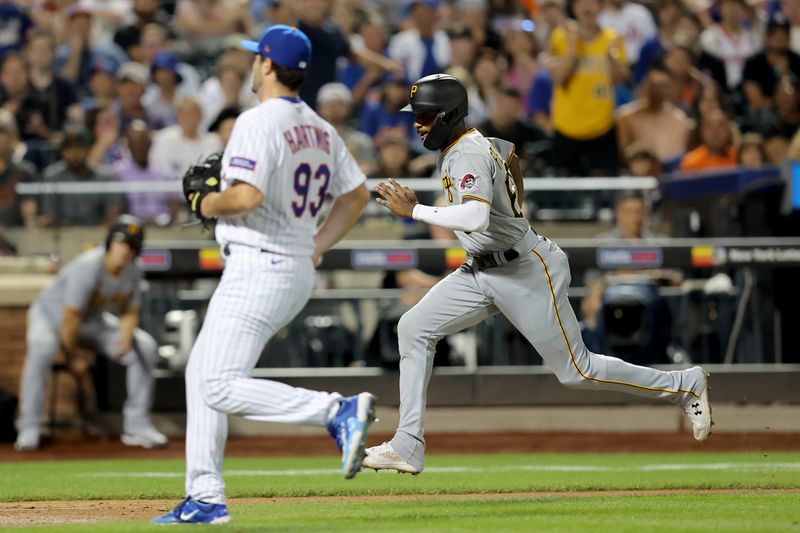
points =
(413, 90)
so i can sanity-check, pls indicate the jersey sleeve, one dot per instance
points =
(247, 154)
(80, 283)
(472, 176)
(135, 297)
(346, 175)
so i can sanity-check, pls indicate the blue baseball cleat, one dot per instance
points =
(349, 429)
(191, 511)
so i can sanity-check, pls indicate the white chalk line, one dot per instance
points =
(678, 467)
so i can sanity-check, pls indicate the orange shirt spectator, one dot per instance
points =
(717, 148)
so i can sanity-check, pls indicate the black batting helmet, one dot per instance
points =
(441, 94)
(127, 229)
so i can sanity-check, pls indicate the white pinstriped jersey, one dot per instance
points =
(296, 159)
(475, 168)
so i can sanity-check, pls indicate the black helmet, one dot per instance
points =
(127, 229)
(443, 95)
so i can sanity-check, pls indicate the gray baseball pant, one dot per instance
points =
(531, 292)
(100, 334)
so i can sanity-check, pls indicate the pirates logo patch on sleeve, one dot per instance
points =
(468, 183)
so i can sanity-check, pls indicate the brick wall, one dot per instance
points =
(13, 325)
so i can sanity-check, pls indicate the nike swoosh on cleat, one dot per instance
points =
(276, 261)
(189, 516)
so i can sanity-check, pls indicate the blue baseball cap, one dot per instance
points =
(285, 45)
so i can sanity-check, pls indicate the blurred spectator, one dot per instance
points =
(634, 293)
(642, 161)
(273, 12)
(488, 74)
(590, 312)
(327, 46)
(763, 70)
(217, 91)
(782, 119)
(540, 98)
(653, 120)
(551, 15)
(716, 150)
(730, 40)
(14, 25)
(393, 158)
(520, 49)
(14, 209)
(791, 9)
(751, 153)
(421, 50)
(463, 49)
(382, 118)
(152, 207)
(224, 91)
(587, 62)
(204, 24)
(129, 36)
(102, 85)
(476, 106)
(223, 124)
(17, 97)
(160, 97)
(710, 97)
(630, 214)
(504, 122)
(57, 93)
(107, 16)
(75, 60)
(344, 13)
(334, 104)
(103, 125)
(84, 209)
(668, 13)
(687, 79)
(177, 147)
(632, 21)
(687, 33)
(474, 14)
(372, 36)
(155, 40)
(132, 81)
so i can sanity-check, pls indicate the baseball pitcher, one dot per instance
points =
(279, 167)
(512, 270)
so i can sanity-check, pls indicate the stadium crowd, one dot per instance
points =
(135, 90)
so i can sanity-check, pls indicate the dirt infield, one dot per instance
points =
(80, 448)
(87, 512)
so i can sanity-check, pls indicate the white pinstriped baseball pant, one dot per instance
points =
(259, 293)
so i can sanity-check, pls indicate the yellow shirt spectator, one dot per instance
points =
(584, 108)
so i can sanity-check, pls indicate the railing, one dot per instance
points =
(418, 184)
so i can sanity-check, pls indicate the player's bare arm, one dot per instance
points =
(128, 322)
(239, 200)
(343, 215)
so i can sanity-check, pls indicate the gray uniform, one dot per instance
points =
(84, 284)
(531, 291)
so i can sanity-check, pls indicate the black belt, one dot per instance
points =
(226, 250)
(490, 260)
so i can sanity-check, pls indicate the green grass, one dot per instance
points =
(453, 474)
